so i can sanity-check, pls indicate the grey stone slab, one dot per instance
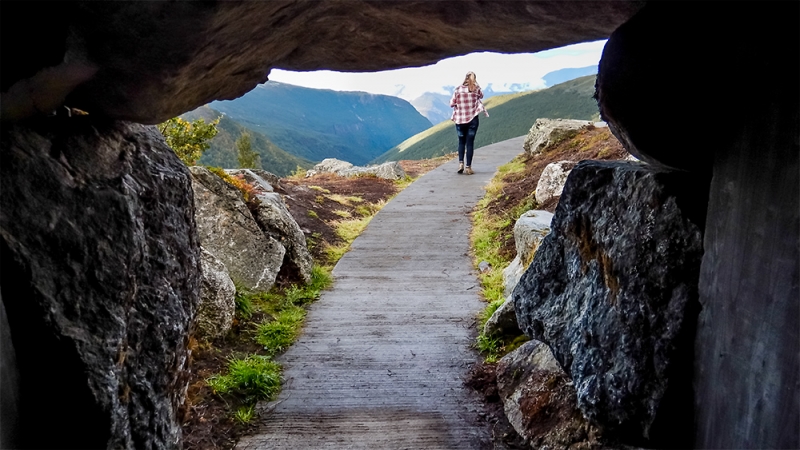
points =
(384, 352)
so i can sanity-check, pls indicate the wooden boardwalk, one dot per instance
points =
(383, 355)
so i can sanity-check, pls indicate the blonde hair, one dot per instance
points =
(471, 81)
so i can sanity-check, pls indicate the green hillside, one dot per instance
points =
(222, 152)
(316, 124)
(509, 116)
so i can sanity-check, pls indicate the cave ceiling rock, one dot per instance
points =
(149, 61)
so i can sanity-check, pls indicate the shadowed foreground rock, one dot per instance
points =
(613, 290)
(747, 363)
(539, 400)
(100, 273)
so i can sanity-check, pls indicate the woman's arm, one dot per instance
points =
(480, 92)
(453, 99)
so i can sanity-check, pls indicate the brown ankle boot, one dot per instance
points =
(468, 170)
(461, 167)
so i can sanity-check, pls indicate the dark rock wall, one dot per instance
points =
(747, 378)
(728, 83)
(100, 263)
(613, 291)
(9, 388)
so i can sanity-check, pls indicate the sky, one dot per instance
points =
(502, 71)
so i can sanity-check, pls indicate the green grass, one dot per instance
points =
(348, 231)
(486, 237)
(244, 303)
(489, 310)
(489, 346)
(277, 335)
(486, 246)
(345, 200)
(245, 414)
(254, 377)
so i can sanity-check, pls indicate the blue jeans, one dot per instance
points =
(466, 139)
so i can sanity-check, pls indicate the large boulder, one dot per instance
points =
(275, 220)
(747, 348)
(217, 299)
(389, 170)
(100, 282)
(545, 132)
(260, 179)
(529, 231)
(228, 230)
(552, 181)
(540, 402)
(613, 291)
(329, 165)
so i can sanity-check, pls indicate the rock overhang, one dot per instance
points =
(149, 61)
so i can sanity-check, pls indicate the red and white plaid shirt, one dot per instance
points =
(467, 104)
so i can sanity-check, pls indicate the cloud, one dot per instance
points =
(503, 71)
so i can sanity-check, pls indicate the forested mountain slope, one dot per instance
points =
(222, 152)
(317, 124)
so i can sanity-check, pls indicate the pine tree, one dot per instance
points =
(248, 158)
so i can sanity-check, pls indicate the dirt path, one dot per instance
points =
(383, 354)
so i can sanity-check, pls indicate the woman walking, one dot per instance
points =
(467, 103)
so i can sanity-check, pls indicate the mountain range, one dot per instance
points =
(562, 75)
(510, 116)
(292, 127)
(436, 106)
(315, 124)
(222, 151)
